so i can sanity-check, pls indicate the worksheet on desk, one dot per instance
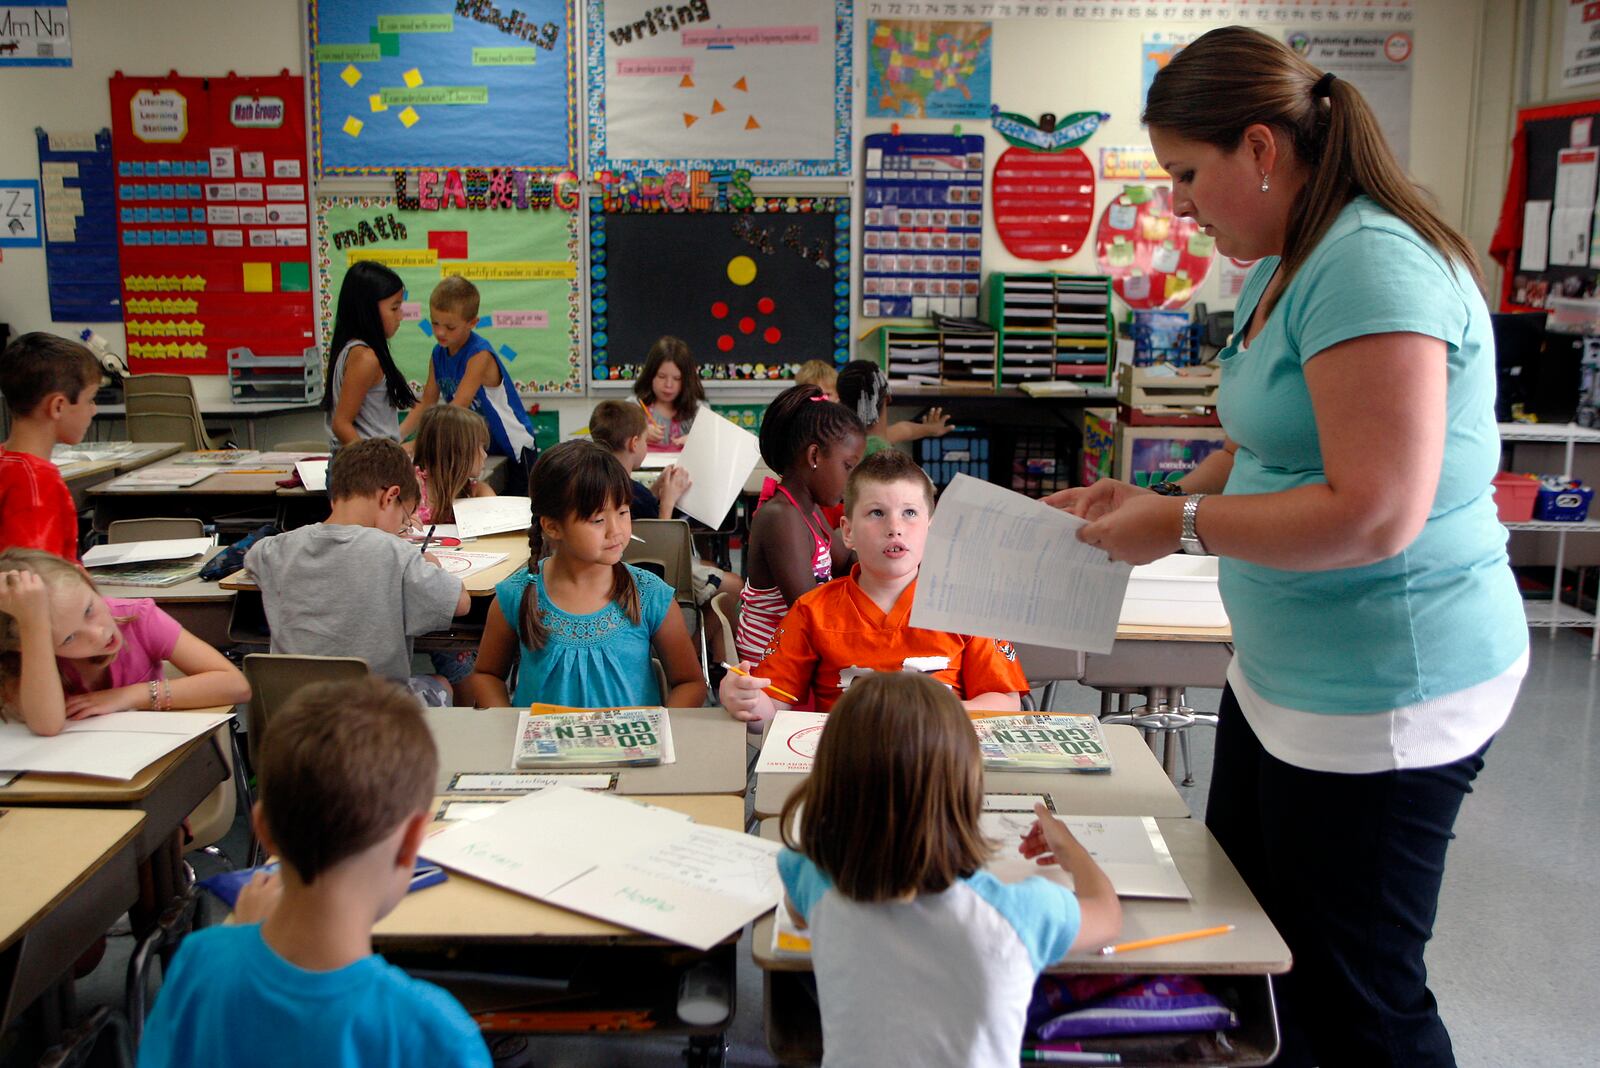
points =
(1007, 566)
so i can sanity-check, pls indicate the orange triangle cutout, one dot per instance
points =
(716, 107)
(690, 120)
(751, 123)
(687, 83)
(741, 86)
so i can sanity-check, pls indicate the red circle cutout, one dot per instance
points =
(747, 325)
(765, 304)
(719, 310)
(725, 343)
(772, 334)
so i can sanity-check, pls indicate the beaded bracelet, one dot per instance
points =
(155, 695)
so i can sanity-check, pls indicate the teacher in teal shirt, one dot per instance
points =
(1379, 636)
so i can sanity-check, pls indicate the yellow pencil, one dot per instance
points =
(1165, 940)
(785, 694)
(648, 414)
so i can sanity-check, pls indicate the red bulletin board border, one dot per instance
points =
(213, 218)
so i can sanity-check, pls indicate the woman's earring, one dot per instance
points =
(1263, 182)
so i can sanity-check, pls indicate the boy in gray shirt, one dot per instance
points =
(350, 586)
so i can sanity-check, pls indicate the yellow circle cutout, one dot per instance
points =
(741, 270)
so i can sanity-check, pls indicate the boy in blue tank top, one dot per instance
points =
(465, 370)
(347, 775)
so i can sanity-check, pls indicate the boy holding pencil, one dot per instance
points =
(861, 624)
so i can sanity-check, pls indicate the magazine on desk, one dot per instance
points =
(550, 736)
(1040, 741)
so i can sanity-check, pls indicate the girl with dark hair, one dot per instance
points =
(812, 443)
(365, 389)
(864, 389)
(581, 624)
(1379, 637)
(670, 392)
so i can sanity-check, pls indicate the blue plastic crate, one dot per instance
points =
(1563, 501)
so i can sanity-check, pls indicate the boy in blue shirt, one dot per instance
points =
(347, 776)
(467, 371)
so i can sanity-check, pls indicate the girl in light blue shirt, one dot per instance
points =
(1379, 636)
(579, 625)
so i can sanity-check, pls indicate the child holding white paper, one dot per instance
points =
(68, 653)
(580, 624)
(812, 443)
(860, 624)
(883, 868)
(346, 780)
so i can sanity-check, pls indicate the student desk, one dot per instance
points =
(1237, 963)
(248, 623)
(458, 932)
(710, 747)
(82, 474)
(251, 489)
(165, 792)
(200, 607)
(1160, 663)
(70, 873)
(299, 506)
(1135, 786)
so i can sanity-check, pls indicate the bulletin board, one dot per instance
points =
(80, 216)
(760, 85)
(755, 294)
(524, 263)
(425, 83)
(1548, 141)
(212, 219)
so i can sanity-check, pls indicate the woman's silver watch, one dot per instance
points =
(1189, 539)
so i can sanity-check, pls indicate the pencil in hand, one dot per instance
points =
(773, 690)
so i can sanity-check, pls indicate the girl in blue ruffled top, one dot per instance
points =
(580, 624)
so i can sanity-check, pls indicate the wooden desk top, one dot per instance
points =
(1135, 786)
(481, 584)
(50, 852)
(79, 473)
(1129, 632)
(1220, 897)
(710, 747)
(37, 788)
(464, 909)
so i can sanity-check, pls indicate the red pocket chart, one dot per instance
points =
(213, 219)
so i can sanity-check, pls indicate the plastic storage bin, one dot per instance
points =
(1514, 496)
(1175, 591)
(1563, 501)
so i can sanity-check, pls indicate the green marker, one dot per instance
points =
(1063, 1056)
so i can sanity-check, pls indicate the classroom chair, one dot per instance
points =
(101, 1038)
(667, 550)
(164, 408)
(1045, 669)
(274, 678)
(122, 531)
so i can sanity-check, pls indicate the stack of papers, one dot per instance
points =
(115, 746)
(644, 868)
(216, 457)
(141, 552)
(477, 516)
(164, 475)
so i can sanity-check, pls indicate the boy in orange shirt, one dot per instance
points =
(857, 625)
(49, 383)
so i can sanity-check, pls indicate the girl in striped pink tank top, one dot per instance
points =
(812, 443)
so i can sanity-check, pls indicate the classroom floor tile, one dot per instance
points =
(1511, 963)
